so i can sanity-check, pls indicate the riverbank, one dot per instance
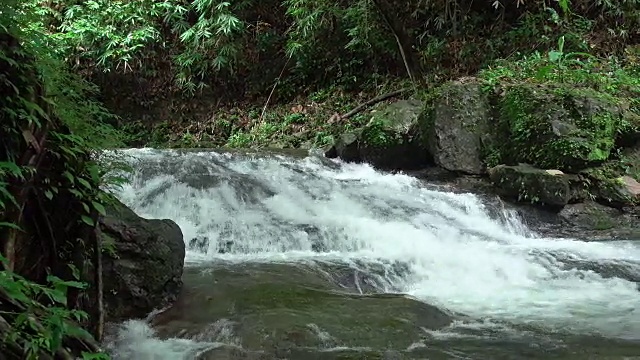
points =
(559, 134)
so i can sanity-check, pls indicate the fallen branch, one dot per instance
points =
(373, 101)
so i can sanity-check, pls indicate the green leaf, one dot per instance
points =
(76, 193)
(57, 295)
(87, 220)
(555, 56)
(94, 170)
(14, 288)
(10, 225)
(84, 183)
(69, 176)
(99, 208)
(12, 167)
(48, 194)
(56, 281)
(94, 356)
(7, 194)
(74, 271)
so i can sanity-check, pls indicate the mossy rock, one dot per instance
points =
(390, 139)
(629, 162)
(284, 307)
(615, 183)
(619, 192)
(347, 146)
(454, 126)
(144, 270)
(593, 216)
(526, 183)
(630, 129)
(558, 127)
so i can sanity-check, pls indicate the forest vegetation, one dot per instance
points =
(80, 76)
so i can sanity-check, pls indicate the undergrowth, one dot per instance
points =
(596, 99)
(51, 132)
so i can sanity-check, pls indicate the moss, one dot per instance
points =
(556, 127)
(605, 182)
(377, 135)
(533, 185)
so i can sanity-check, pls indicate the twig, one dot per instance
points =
(373, 101)
(396, 35)
(273, 89)
(99, 318)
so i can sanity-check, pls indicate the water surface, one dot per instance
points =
(349, 261)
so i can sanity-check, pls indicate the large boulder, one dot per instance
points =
(526, 183)
(559, 127)
(389, 140)
(296, 311)
(455, 126)
(616, 182)
(592, 216)
(142, 263)
(346, 146)
(618, 192)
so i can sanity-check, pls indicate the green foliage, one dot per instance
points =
(45, 319)
(561, 110)
(577, 69)
(552, 131)
(377, 134)
(48, 114)
(198, 42)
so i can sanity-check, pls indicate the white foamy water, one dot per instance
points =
(460, 258)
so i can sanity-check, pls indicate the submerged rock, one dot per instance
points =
(142, 270)
(227, 352)
(287, 309)
(455, 126)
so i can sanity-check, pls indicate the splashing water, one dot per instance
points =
(271, 208)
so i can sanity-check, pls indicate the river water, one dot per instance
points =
(301, 257)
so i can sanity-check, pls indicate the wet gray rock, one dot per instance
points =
(391, 138)
(346, 147)
(527, 183)
(142, 271)
(389, 141)
(619, 192)
(227, 352)
(291, 309)
(455, 126)
(591, 215)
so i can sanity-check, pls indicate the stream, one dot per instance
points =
(292, 256)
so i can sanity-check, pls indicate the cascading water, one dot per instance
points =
(444, 249)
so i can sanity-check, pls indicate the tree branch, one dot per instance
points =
(373, 101)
